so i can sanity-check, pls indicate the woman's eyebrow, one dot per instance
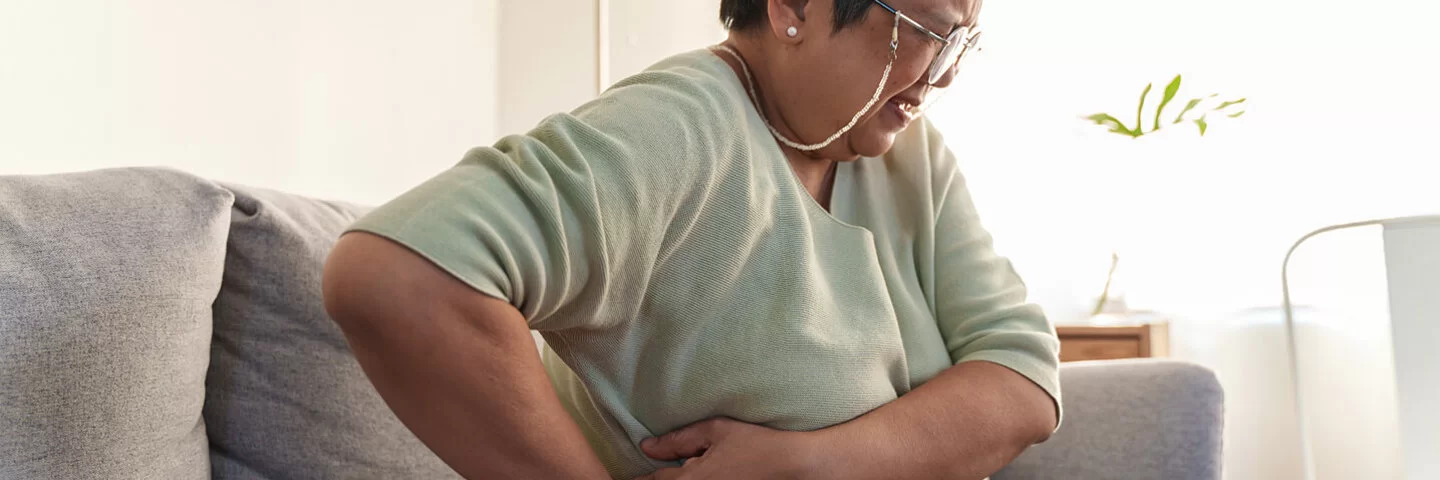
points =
(948, 22)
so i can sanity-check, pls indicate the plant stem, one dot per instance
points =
(1105, 295)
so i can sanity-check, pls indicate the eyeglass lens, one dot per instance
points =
(950, 54)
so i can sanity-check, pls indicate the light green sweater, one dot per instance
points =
(659, 240)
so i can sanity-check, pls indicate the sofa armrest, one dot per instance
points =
(1127, 419)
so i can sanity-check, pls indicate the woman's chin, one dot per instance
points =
(873, 143)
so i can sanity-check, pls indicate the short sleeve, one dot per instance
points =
(980, 300)
(513, 221)
(558, 220)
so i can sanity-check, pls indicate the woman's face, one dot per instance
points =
(830, 76)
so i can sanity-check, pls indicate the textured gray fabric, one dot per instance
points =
(1131, 419)
(286, 397)
(106, 281)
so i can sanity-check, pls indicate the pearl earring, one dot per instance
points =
(792, 31)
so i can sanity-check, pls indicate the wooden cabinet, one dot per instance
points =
(1109, 343)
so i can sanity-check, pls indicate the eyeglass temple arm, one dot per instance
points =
(913, 23)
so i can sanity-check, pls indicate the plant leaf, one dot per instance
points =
(1202, 124)
(1236, 114)
(1188, 107)
(1140, 112)
(1170, 91)
(1229, 103)
(1106, 120)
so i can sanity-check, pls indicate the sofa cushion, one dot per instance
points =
(1141, 418)
(106, 282)
(286, 397)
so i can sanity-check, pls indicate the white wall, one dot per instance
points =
(347, 99)
(548, 55)
(642, 32)
(553, 63)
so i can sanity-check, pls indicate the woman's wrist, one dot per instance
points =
(834, 454)
(814, 458)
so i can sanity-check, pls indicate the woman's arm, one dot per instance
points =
(966, 423)
(459, 368)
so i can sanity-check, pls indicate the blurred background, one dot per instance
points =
(361, 99)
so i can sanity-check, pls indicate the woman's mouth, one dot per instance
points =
(902, 109)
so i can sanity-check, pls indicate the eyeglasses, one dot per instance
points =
(960, 41)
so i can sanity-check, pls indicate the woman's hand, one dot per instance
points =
(727, 448)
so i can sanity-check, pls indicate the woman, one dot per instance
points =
(721, 253)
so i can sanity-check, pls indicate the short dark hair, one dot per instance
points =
(740, 15)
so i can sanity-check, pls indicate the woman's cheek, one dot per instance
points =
(908, 71)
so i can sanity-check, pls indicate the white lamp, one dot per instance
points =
(1412, 264)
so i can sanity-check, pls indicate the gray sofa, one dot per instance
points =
(154, 324)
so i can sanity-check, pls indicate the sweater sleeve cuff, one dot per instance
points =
(1041, 372)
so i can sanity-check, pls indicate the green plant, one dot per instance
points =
(1196, 110)
(1116, 126)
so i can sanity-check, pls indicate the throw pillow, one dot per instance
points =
(106, 282)
(287, 398)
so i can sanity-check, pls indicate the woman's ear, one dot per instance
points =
(787, 19)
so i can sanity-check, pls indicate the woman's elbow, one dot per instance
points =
(354, 280)
(1042, 413)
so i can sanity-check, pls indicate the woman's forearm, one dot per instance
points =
(458, 368)
(966, 423)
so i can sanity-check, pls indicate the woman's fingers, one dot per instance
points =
(687, 442)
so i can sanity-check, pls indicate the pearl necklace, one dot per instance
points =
(750, 89)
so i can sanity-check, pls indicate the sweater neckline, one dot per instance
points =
(840, 192)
